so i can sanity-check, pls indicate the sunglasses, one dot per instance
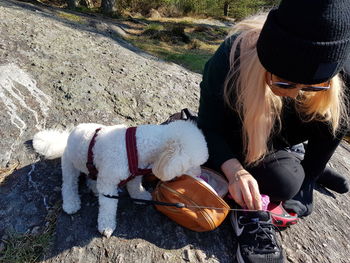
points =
(285, 85)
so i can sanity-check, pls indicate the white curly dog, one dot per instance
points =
(170, 150)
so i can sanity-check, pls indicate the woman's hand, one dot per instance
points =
(243, 187)
(244, 190)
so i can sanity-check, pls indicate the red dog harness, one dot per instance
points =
(131, 148)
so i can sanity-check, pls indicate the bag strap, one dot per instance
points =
(187, 114)
(146, 202)
(177, 205)
(184, 114)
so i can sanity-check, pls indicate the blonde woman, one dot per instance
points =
(272, 84)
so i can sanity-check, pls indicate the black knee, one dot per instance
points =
(279, 175)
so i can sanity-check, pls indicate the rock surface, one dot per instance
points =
(58, 73)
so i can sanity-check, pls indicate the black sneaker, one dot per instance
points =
(256, 236)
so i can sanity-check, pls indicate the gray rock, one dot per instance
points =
(2, 246)
(60, 73)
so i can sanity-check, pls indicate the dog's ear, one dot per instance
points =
(171, 162)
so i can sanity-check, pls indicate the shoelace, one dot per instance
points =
(263, 238)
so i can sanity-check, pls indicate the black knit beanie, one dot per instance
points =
(306, 41)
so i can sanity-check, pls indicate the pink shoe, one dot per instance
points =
(280, 217)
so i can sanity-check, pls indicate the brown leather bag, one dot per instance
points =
(195, 194)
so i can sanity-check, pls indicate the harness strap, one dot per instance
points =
(90, 159)
(131, 148)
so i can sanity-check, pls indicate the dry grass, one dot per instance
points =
(186, 19)
(5, 172)
(158, 37)
(30, 247)
(71, 17)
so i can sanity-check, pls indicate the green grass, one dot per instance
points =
(212, 35)
(24, 247)
(27, 247)
(193, 56)
(72, 17)
(154, 26)
(192, 59)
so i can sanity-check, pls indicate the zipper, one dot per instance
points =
(202, 211)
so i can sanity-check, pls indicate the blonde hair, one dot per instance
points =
(257, 106)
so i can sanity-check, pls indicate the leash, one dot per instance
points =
(177, 205)
(147, 202)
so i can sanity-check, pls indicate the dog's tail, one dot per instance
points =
(50, 143)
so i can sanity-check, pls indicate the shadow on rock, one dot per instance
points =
(30, 193)
(137, 222)
(27, 195)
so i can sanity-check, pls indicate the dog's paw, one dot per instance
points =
(106, 225)
(71, 207)
(106, 229)
(107, 232)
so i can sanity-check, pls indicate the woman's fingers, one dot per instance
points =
(245, 192)
(241, 194)
(236, 194)
(247, 196)
(254, 189)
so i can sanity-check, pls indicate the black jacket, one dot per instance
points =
(222, 126)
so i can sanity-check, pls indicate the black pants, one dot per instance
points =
(279, 175)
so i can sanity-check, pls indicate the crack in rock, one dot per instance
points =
(15, 102)
(35, 185)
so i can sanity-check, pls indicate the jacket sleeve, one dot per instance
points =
(345, 73)
(320, 148)
(322, 144)
(211, 114)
